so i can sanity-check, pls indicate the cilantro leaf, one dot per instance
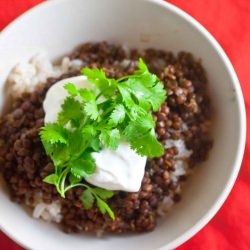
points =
(77, 142)
(143, 72)
(118, 115)
(126, 95)
(139, 126)
(73, 179)
(51, 179)
(71, 111)
(103, 193)
(110, 138)
(71, 89)
(97, 76)
(158, 96)
(141, 136)
(53, 133)
(144, 87)
(137, 111)
(91, 109)
(86, 95)
(87, 198)
(83, 166)
(147, 144)
(142, 66)
(104, 207)
(60, 155)
(95, 143)
(88, 130)
(146, 95)
(89, 195)
(105, 138)
(49, 147)
(94, 75)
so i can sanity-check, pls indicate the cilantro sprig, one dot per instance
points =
(114, 110)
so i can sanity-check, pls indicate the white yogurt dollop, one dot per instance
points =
(119, 170)
(122, 169)
(56, 95)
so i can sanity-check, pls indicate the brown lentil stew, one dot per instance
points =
(24, 164)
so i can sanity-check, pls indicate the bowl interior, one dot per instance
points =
(58, 27)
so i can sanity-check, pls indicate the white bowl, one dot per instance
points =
(58, 27)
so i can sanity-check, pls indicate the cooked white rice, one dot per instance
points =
(27, 74)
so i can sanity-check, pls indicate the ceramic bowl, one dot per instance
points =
(58, 27)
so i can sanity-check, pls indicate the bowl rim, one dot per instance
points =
(239, 100)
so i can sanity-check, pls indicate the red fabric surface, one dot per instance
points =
(229, 23)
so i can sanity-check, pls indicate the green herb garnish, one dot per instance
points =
(111, 112)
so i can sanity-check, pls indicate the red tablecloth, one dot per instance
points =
(229, 23)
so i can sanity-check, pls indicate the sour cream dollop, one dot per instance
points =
(122, 169)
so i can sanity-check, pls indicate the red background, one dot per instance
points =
(229, 22)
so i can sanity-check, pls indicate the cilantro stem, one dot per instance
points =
(128, 114)
(99, 95)
(75, 185)
(123, 78)
(106, 112)
(84, 121)
(61, 182)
